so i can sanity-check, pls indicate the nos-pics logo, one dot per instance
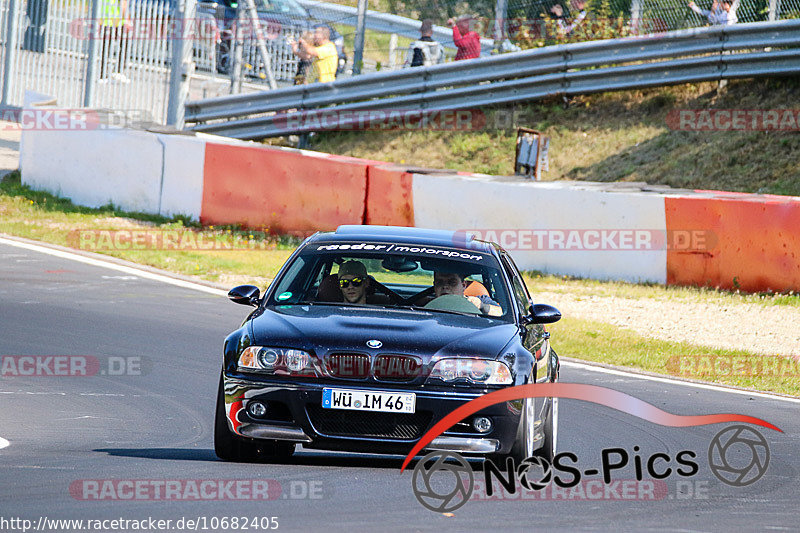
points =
(444, 481)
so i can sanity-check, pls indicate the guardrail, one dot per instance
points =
(685, 56)
(382, 22)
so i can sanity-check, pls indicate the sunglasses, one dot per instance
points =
(344, 283)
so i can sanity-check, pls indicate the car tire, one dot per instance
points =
(548, 449)
(523, 443)
(230, 447)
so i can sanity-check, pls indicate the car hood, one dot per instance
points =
(322, 329)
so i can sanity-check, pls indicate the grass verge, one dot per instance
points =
(615, 136)
(255, 257)
(42, 216)
(604, 343)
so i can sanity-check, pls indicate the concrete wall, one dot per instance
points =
(748, 241)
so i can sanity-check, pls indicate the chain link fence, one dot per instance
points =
(524, 23)
(68, 49)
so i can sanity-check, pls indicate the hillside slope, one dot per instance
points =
(621, 136)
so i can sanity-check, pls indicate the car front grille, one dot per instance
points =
(396, 368)
(348, 365)
(343, 423)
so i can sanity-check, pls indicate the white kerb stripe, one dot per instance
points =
(113, 266)
(718, 388)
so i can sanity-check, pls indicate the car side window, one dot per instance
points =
(520, 291)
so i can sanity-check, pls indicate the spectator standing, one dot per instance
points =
(467, 41)
(722, 12)
(115, 24)
(425, 51)
(322, 52)
(564, 27)
(304, 65)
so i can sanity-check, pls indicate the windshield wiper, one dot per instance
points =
(428, 309)
(339, 304)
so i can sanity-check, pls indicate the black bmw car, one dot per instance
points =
(369, 335)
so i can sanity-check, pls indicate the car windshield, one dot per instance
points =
(283, 7)
(426, 279)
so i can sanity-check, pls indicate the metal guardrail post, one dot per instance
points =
(358, 46)
(181, 65)
(11, 50)
(237, 44)
(91, 60)
(252, 14)
(636, 16)
(500, 9)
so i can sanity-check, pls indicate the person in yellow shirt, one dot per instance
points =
(323, 53)
(116, 26)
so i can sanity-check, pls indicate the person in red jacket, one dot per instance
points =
(468, 42)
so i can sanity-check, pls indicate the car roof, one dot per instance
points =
(459, 240)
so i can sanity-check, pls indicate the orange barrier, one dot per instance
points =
(755, 245)
(390, 196)
(284, 190)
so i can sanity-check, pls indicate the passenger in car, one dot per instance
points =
(445, 283)
(354, 282)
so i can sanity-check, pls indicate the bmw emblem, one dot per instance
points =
(374, 343)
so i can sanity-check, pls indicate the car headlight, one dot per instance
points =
(281, 361)
(481, 371)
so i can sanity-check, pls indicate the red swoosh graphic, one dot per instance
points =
(576, 391)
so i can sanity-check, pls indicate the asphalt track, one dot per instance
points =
(158, 426)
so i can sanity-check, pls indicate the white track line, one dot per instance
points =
(113, 266)
(210, 290)
(718, 388)
(3, 443)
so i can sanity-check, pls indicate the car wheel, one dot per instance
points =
(227, 445)
(523, 443)
(548, 449)
(230, 447)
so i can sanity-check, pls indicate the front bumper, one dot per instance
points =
(295, 413)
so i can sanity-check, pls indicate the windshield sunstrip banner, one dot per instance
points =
(406, 249)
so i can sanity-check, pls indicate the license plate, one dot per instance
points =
(362, 400)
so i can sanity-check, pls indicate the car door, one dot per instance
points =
(534, 336)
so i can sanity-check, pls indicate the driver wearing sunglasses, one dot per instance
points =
(354, 282)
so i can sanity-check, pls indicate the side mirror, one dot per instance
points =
(245, 295)
(543, 314)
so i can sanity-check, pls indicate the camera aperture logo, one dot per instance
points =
(738, 456)
(443, 481)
